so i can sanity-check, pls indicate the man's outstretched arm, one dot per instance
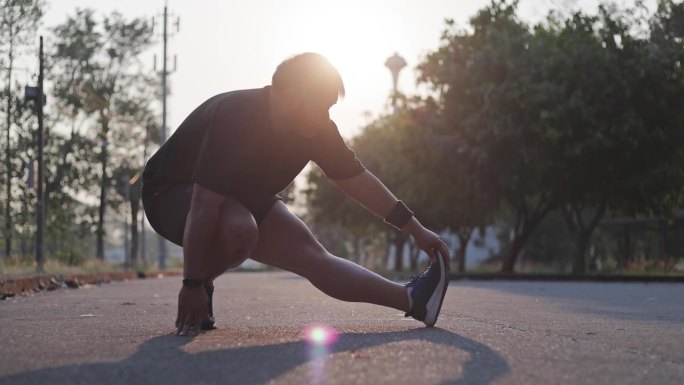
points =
(371, 193)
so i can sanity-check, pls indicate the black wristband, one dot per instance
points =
(399, 216)
(193, 282)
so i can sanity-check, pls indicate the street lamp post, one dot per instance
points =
(395, 63)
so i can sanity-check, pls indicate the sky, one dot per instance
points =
(229, 45)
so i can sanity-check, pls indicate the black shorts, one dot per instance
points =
(167, 208)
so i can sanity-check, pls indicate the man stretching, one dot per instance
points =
(211, 188)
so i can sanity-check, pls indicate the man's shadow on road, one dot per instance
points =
(160, 360)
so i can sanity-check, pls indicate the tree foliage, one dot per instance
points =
(573, 120)
(578, 115)
(18, 22)
(574, 113)
(103, 83)
(97, 119)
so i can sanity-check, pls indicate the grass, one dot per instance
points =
(17, 266)
(634, 269)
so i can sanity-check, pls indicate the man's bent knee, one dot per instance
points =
(238, 235)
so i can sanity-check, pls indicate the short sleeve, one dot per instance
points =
(334, 157)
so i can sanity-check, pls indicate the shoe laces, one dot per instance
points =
(414, 278)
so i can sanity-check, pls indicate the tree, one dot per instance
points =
(493, 108)
(18, 22)
(575, 114)
(588, 130)
(24, 176)
(420, 164)
(104, 66)
(381, 148)
(345, 227)
(450, 196)
(629, 122)
(136, 123)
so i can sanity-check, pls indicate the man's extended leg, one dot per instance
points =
(286, 242)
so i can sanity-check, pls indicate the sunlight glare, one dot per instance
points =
(320, 335)
(357, 37)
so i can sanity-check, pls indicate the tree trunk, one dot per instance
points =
(460, 259)
(134, 235)
(399, 241)
(134, 196)
(103, 195)
(511, 257)
(579, 265)
(517, 244)
(8, 163)
(625, 254)
(386, 255)
(583, 233)
(356, 249)
(524, 227)
(24, 246)
(463, 240)
(662, 247)
(413, 256)
(143, 246)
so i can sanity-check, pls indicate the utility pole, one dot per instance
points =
(40, 210)
(162, 137)
(38, 96)
(8, 163)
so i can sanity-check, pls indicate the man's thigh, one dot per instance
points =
(286, 242)
(167, 210)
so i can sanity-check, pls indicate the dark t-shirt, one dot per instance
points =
(229, 146)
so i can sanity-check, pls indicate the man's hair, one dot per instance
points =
(308, 73)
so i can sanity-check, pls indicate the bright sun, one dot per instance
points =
(357, 37)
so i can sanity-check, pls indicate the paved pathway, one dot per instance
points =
(488, 333)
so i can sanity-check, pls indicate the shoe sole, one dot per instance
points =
(434, 305)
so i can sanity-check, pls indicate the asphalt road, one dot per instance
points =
(488, 333)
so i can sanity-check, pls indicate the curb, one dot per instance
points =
(567, 277)
(10, 287)
(548, 277)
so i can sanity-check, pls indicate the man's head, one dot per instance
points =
(305, 86)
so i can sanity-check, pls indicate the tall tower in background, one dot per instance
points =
(395, 64)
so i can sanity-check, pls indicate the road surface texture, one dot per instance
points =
(488, 333)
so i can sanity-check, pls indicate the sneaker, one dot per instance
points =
(209, 322)
(427, 292)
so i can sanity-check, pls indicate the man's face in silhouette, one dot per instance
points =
(313, 112)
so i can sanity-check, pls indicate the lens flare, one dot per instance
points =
(320, 335)
(320, 339)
